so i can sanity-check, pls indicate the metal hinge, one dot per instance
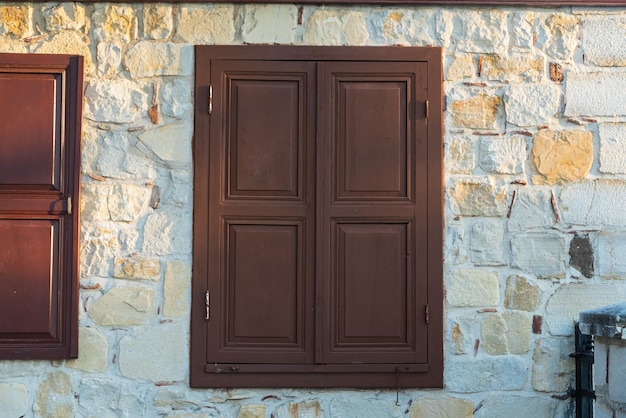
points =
(69, 205)
(426, 109)
(210, 100)
(427, 314)
(207, 302)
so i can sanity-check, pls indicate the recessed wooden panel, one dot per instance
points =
(372, 286)
(30, 128)
(265, 137)
(372, 138)
(264, 285)
(29, 279)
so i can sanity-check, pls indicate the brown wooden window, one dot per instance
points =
(317, 217)
(40, 115)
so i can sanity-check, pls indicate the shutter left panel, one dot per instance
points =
(41, 101)
(261, 214)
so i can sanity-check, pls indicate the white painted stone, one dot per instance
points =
(532, 209)
(542, 254)
(570, 299)
(181, 399)
(97, 250)
(553, 368)
(269, 24)
(93, 351)
(531, 104)
(201, 24)
(506, 333)
(305, 409)
(118, 158)
(68, 42)
(473, 287)
(460, 158)
(504, 405)
(617, 377)
(522, 30)
(482, 31)
(477, 197)
(176, 98)
(612, 148)
(444, 27)
(558, 35)
(159, 354)
(124, 306)
(468, 374)
(600, 361)
(112, 21)
(127, 202)
(171, 143)
(167, 233)
(149, 59)
(593, 94)
(109, 57)
(455, 253)
(176, 289)
(486, 241)
(109, 398)
(345, 407)
(18, 368)
(10, 45)
(157, 21)
(610, 251)
(94, 202)
(54, 396)
(64, 16)
(326, 27)
(604, 40)
(442, 407)
(13, 400)
(118, 101)
(594, 203)
(504, 156)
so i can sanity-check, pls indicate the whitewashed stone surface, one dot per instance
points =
(506, 214)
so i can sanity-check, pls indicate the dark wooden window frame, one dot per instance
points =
(429, 374)
(38, 204)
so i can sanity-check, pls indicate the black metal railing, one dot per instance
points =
(584, 393)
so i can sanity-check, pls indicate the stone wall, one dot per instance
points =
(535, 145)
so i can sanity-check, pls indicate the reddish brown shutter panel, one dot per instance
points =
(41, 102)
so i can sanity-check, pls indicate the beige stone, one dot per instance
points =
(54, 397)
(98, 247)
(157, 21)
(516, 68)
(480, 112)
(206, 24)
(175, 289)
(506, 333)
(521, 294)
(137, 268)
(474, 197)
(9, 45)
(460, 157)
(115, 22)
(93, 351)
(271, 23)
(562, 156)
(553, 368)
(308, 409)
(68, 42)
(93, 202)
(171, 143)
(326, 27)
(473, 287)
(16, 20)
(65, 16)
(463, 66)
(127, 202)
(149, 59)
(251, 411)
(429, 407)
(124, 306)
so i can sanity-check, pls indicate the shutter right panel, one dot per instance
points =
(372, 213)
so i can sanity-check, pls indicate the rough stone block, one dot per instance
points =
(117, 101)
(68, 42)
(124, 306)
(127, 202)
(612, 148)
(182, 399)
(159, 354)
(157, 21)
(114, 22)
(109, 57)
(541, 254)
(460, 157)
(462, 66)
(16, 20)
(479, 112)
(470, 287)
(482, 374)
(269, 24)
(610, 251)
(532, 104)
(553, 368)
(617, 377)
(558, 35)
(251, 411)
(137, 268)
(532, 209)
(167, 233)
(516, 68)
(349, 406)
(93, 351)
(171, 143)
(593, 94)
(427, 407)
(522, 30)
(13, 400)
(521, 294)
(477, 197)
(569, 300)
(562, 156)
(64, 16)
(482, 31)
(206, 24)
(511, 406)
(308, 409)
(456, 252)
(604, 40)
(486, 243)
(594, 204)
(176, 289)
(104, 398)
(581, 255)
(55, 397)
(506, 333)
(326, 27)
(503, 156)
(149, 59)
(118, 158)
(97, 250)
(94, 202)
(176, 98)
